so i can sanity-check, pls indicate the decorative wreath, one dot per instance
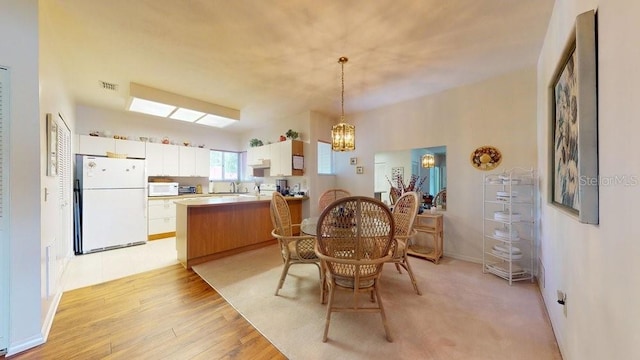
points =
(486, 158)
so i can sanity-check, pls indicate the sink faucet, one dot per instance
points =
(233, 187)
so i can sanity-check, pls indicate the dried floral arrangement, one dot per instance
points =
(398, 187)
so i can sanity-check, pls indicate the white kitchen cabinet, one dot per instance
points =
(95, 145)
(162, 218)
(282, 158)
(203, 162)
(194, 161)
(187, 161)
(508, 226)
(256, 155)
(163, 160)
(133, 149)
(99, 146)
(259, 159)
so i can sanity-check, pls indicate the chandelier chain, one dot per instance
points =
(342, 101)
(342, 60)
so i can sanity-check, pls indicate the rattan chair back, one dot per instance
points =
(404, 213)
(353, 240)
(330, 196)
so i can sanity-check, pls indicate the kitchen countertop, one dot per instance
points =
(239, 199)
(188, 196)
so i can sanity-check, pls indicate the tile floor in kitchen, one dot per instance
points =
(91, 269)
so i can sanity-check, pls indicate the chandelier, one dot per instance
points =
(343, 135)
(428, 161)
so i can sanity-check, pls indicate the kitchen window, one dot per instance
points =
(224, 166)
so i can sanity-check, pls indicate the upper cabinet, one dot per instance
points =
(162, 160)
(259, 156)
(275, 159)
(99, 146)
(194, 161)
(282, 158)
(203, 162)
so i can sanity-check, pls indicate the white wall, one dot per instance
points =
(597, 266)
(54, 99)
(19, 49)
(499, 112)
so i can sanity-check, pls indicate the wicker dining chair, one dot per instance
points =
(404, 215)
(330, 196)
(353, 240)
(295, 249)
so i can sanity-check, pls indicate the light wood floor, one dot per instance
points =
(168, 313)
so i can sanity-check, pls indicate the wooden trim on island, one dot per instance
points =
(210, 231)
(161, 236)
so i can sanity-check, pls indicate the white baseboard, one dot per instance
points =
(44, 332)
(25, 345)
(48, 321)
(464, 258)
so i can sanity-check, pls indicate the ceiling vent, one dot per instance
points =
(108, 86)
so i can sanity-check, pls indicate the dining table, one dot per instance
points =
(309, 225)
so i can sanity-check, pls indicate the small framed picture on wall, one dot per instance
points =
(353, 161)
(359, 170)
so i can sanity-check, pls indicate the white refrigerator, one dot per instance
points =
(112, 203)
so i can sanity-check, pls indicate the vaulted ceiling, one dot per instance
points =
(275, 58)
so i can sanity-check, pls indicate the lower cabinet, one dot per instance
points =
(162, 219)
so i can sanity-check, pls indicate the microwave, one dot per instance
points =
(163, 189)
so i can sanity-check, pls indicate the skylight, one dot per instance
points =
(150, 101)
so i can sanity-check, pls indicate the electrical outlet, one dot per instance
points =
(562, 300)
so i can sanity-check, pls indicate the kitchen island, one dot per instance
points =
(211, 228)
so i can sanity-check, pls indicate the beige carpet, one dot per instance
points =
(462, 314)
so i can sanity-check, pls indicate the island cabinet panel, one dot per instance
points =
(205, 233)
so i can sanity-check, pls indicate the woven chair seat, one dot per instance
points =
(295, 249)
(348, 283)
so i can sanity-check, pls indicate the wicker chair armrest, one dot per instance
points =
(401, 238)
(292, 238)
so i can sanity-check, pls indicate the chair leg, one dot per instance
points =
(322, 283)
(382, 314)
(328, 318)
(413, 278)
(285, 270)
(398, 268)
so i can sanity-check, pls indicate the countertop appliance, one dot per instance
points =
(267, 189)
(186, 190)
(112, 203)
(163, 189)
(281, 185)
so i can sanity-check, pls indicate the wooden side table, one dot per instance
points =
(433, 226)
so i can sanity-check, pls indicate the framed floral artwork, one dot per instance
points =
(574, 142)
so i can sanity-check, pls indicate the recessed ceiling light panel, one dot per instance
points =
(216, 121)
(151, 107)
(156, 102)
(186, 115)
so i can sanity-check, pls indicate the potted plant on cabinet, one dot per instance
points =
(291, 134)
(255, 142)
